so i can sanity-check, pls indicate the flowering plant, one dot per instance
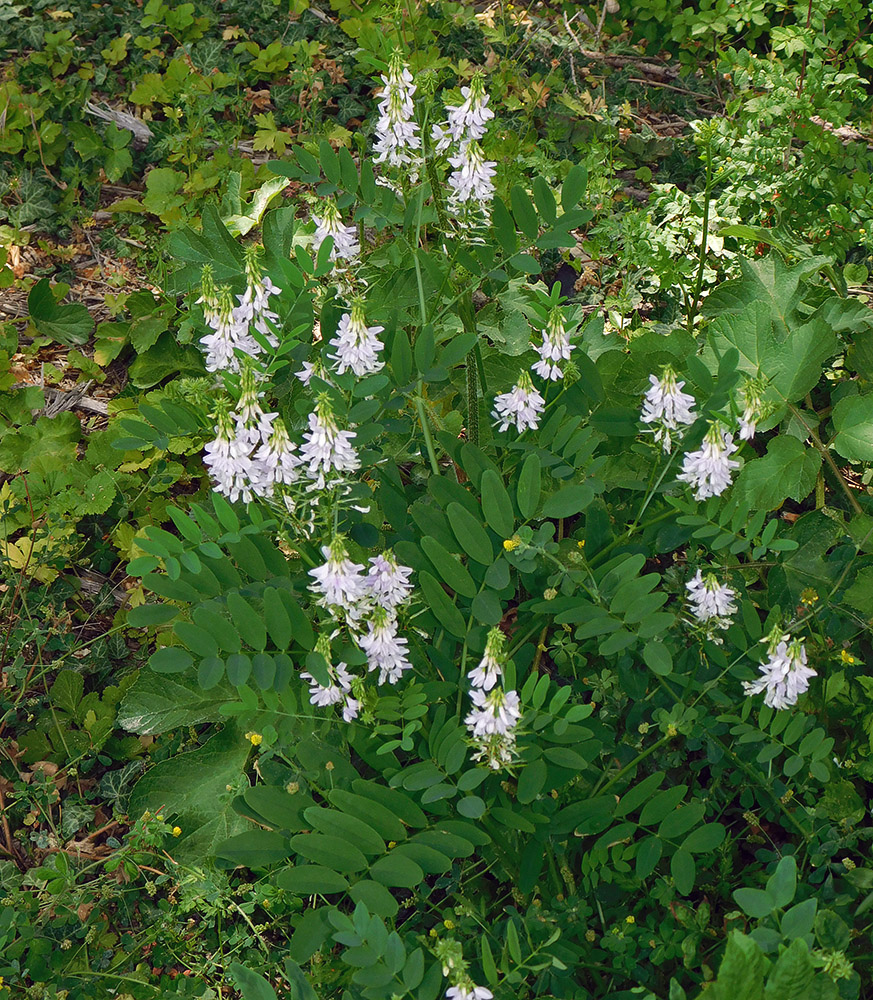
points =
(477, 575)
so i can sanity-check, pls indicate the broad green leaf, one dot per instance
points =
(853, 422)
(251, 985)
(170, 660)
(151, 614)
(789, 469)
(799, 919)
(355, 830)
(166, 358)
(683, 870)
(239, 225)
(192, 790)
(704, 839)
(648, 855)
(254, 849)
(681, 820)
(197, 639)
(219, 627)
(754, 902)
(791, 977)
(523, 210)
(471, 536)
(397, 870)
(657, 808)
(450, 568)
(568, 501)
(782, 884)
(276, 619)
(528, 492)
(657, 658)
(446, 613)
(573, 187)
(247, 621)
(154, 705)
(741, 973)
(67, 691)
(545, 201)
(375, 897)
(638, 793)
(397, 803)
(333, 852)
(303, 880)
(531, 781)
(70, 324)
(496, 505)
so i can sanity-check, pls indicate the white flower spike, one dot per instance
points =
(709, 469)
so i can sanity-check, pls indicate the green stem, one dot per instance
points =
(826, 455)
(707, 199)
(629, 767)
(472, 400)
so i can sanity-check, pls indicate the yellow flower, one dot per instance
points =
(177, 831)
(255, 739)
(672, 730)
(511, 543)
(808, 596)
(590, 935)
(630, 920)
(847, 657)
(581, 544)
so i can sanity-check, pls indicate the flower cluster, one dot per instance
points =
(522, 406)
(495, 713)
(754, 408)
(667, 407)
(357, 345)
(232, 323)
(555, 347)
(396, 131)
(712, 603)
(367, 603)
(471, 181)
(330, 223)
(785, 675)
(709, 468)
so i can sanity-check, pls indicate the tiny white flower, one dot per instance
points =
(711, 601)
(709, 469)
(786, 674)
(556, 347)
(469, 120)
(230, 463)
(496, 711)
(521, 407)
(396, 131)
(276, 460)
(345, 238)
(468, 993)
(228, 336)
(386, 651)
(388, 581)
(490, 668)
(357, 345)
(471, 180)
(338, 582)
(754, 408)
(325, 447)
(666, 406)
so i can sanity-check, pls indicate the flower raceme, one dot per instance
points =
(555, 347)
(325, 447)
(785, 675)
(521, 407)
(357, 345)
(397, 141)
(667, 407)
(330, 223)
(712, 603)
(709, 468)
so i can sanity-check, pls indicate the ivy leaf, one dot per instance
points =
(70, 324)
(853, 420)
(787, 470)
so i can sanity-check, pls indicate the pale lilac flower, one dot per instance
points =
(228, 334)
(666, 406)
(468, 993)
(471, 180)
(496, 711)
(709, 469)
(712, 602)
(469, 119)
(230, 463)
(754, 408)
(556, 347)
(345, 238)
(325, 447)
(490, 668)
(388, 581)
(337, 692)
(253, 426)
(396, 137)
(338, 582)
(386, 651)
(357, 345)
(497, 750)
(785, 674)
(275, 460)
(521, 407)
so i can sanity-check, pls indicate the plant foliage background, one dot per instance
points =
(437, 537)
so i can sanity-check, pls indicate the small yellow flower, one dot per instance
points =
(511, 543)
(433, 932)
(329, 766)
(449, 924)
(630, 919)
(808, 596)
(177, 831)
(160, 817)
(847, 657)
(550, 594)
(590, 935)
(849, 864)
(643, 728)
(255, 739)
(672, 731)
(392, 843)
(580, 545)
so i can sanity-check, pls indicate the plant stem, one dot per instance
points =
(826, 455)
(707, 199)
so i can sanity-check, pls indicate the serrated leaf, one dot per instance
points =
(789, 469)
(853, 422)
(67, 324)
